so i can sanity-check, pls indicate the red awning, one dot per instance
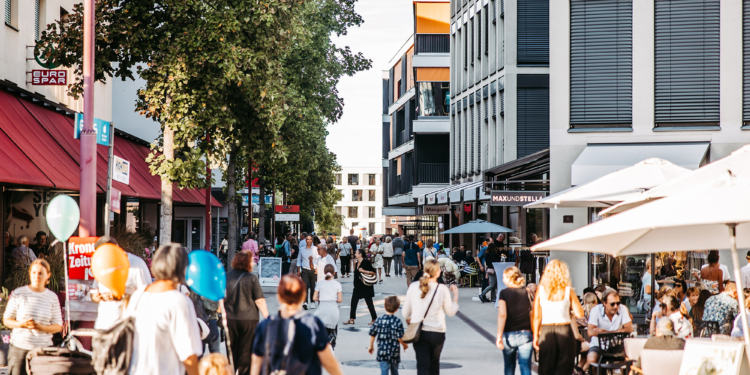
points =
(16, 168)
(141, 180)
(37, 144)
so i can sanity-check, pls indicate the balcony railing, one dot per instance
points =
(432, 173)
(433, 43)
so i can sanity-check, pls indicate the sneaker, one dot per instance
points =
(304, 305)
(482, 298)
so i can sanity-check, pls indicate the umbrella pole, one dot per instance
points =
(740, 290)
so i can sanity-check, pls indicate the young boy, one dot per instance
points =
(389, 330)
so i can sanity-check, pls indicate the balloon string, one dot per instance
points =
(226, 329)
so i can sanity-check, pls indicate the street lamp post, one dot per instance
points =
(87, 226)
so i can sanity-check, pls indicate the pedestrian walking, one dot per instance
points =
(553, 336)
(286, 254)
(431, 312)
(362, 290)
(323, 259)
(251, 245)
(244, 303)
(387, 250)
(345, 255)
(514, 336)
(398, 251)
(308, 255)
(292, 342)
(167, 335)
(429, 250)
(376, 249)
(388, 330)
(491, 256)
(412, 260)
(328, 294)
(33, 313)
(294, 252)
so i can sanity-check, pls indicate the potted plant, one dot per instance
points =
(4, 331)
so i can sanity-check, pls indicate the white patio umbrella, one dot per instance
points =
(712, 215)
(738, 162)
(615, 187)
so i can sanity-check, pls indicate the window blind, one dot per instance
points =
(533, 32)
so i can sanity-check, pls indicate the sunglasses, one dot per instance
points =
(613, 304)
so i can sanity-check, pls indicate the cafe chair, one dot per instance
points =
(613, 358)
(662, 362)
(473, 273)
(707, 328)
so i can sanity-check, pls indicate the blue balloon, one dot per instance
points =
(206, 276)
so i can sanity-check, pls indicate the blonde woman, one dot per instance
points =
(33, 312)
(514, 336)
(429, 302)
(553, 335)
(590, 300)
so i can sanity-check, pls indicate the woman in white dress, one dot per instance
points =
(328, 294)
(377, 258)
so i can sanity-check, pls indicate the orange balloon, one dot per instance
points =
(110, 267)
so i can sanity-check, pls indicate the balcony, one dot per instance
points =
(433, 43)
(432, 173)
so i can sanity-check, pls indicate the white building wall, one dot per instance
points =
(362, 206)
(565, 146)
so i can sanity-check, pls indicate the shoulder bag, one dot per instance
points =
(411, 334)
(368, 280)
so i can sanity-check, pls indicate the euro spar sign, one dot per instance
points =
(80, 251)
(49, 77)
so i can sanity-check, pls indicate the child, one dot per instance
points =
(214, 364)
(328, 294)
(389, 330)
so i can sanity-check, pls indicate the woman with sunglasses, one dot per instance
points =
(609, 317)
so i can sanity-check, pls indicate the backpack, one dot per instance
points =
(279, 340)
(112, 349)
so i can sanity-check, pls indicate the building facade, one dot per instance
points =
(362, 204)
(635, 79)
(416, 122)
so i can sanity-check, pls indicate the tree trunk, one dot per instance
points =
(261, 207)
(165, 233)
(232, 203)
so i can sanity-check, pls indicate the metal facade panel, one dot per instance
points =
(686, 61)
(746, 60)
(533, 120)
(533, 32)
(601, 62)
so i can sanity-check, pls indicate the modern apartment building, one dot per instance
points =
(635, 79)
(416, 122)
(362, 204)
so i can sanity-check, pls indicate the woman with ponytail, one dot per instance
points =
(514, 336)
(328, 295)
(428, 301)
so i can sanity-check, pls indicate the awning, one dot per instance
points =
(16, 167)
(399, 211)
(450, 194)
(471, 192)
(597, 160)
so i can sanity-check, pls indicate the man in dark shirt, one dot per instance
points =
(352, 239)
(412, 259)
(41, 246)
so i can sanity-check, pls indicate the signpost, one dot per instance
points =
(103, 130)
(293, 208)
(121, 171)
(287, 217)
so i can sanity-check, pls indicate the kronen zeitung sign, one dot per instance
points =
(515, 198)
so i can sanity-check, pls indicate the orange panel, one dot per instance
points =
(433, 18)
(396, 78)
(433, 74)
(409, 69)
(398, 165)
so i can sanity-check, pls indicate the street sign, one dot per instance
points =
(49, 77)
(287, 217)
(114, 201)
(256, 199)
(121, 170)
(436, 210)
(101, 128)
(287, 208)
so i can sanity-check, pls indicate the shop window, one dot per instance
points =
(371, 212)
(371, 195)
(353, 179)
(353, 213)
(338, 178)
(434, 98)
(371, 179)
(356, 195)
(338, 210)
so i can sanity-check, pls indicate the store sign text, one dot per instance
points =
(436, 210)
(49, 77)
(515, 198)
(80, 251)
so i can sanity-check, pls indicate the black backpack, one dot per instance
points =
(113, 348)
(279, 340)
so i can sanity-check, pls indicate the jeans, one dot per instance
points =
(387, 265)
(213, 340)
(517, 344)
(491, 287)
(398, 268)
(428, 350)
(386, 366)
(345, 264)
(17, 360)
(309, 277)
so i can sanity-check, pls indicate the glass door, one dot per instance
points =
(195, 234)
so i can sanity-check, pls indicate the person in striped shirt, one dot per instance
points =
(33, 312)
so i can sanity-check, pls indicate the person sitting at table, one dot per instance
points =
(664, 340)
(722, 307)
(674, 310)
(609, 317)
(691, 298)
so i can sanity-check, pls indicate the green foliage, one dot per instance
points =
(4, 295)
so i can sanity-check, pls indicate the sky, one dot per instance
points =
(356, 138)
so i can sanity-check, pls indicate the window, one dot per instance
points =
(686, 62)
(479, 35)
(371, 179)
(601, 63)
(533, 32)
(487, 30)
(338, 210)
(434, 98)
(357, 195)
(353, 213)
(533, 114)
(371, 227)
(353, 179)
(355, 224)
(466, 47)
(342, 194)
(371, 194)
(36, 19)
(371, 212)
(338, 179)
(11, 13)
(471, 36)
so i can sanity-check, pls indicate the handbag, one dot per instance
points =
(368, 280)
(490, 271)
(411, 334)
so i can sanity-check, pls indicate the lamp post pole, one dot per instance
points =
(87, 226)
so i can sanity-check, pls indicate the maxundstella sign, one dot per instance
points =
(515, 198)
